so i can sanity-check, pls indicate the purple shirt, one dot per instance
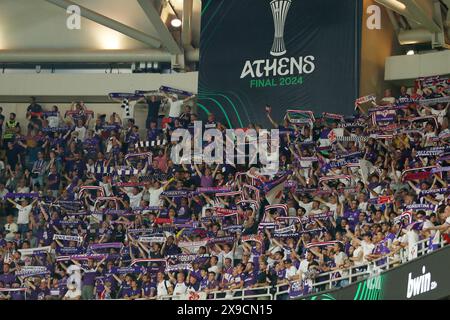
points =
(206, 181)
(89, 277)
(7, 278)
(249, 279)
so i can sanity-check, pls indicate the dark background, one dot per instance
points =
(234, 31)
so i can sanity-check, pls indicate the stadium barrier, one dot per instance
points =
(424, 278)
(354, 275)
(380, 279)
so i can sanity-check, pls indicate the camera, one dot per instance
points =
(126, 105)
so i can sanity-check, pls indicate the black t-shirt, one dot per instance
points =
(262, 277)
(34, 108)
(153, 109)
(2, 119)
(12, 155)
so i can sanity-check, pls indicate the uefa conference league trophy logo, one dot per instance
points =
(280, 9)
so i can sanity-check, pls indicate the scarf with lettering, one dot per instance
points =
(176, 194)
(233, 228)
(11, 195)
(151, 239)
(220, 240)
(65, 237)
(252, 237)
(336, 177)
(102, 246)
(421, 206)
(213, 190)
(192, 246)
(322, 244)
(35, 251)
(125, 270)
(32, 271)
(177, 267)
(82, 257)
(434, 191)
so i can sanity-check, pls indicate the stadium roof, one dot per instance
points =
(134, 30)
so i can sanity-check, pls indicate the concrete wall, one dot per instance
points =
(416, 66)
(24, 22)
(377, 45)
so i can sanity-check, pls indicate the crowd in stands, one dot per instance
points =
(94, 209)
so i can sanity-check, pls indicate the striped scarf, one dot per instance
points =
(148, 144)
(336, 177)
(322, 244)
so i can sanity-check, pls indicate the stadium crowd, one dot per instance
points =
(93, 209)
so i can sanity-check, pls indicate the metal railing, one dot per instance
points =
(349, 275)
(331, 281)
(357, 273)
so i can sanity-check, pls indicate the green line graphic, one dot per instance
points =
(212, 18)
(357, 292)
(231, 102)
(364, 291)
(241, 102)
(220, 106)
(206, 7)
(204, 108)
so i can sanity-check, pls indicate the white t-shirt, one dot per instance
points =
(306, 206)
(389, 100)
(107, 187)
(154, 197)
(356, 253)
(439, 113)
(428, 224)
(175, 108)
(11, 227)
(23, 190)
(340, 258)
(291, 272)
(130, 114)
(135, 199)
(367, 249)
(72, 294)
(447, 221)
(53, 121)
(24, 214)
(161, 288)
(81, 132)
(180, 288)
(222, 256)
(303, 267)
(3, 193)
(214, 269)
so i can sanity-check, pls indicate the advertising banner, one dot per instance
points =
(425, 278)
(290, 54)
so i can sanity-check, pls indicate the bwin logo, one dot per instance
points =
(280, 9)
(419, 285)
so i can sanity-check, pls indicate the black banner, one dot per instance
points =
(290, 54)
(425, 278)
